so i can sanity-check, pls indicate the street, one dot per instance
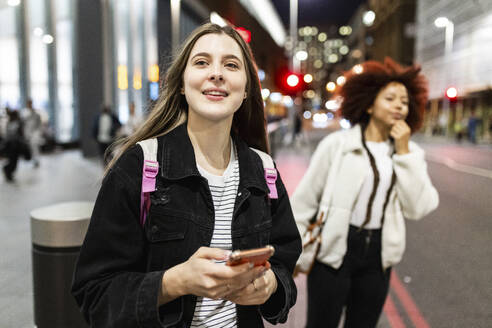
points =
(444, 277)
(443, 280)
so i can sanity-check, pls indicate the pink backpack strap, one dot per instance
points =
(270, 172)
(149, 172)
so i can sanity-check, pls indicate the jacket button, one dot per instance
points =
(154, 229)
(239, 193)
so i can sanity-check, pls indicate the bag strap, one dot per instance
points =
(149, 172)
(328, 191)
(270, 172)
(151, 168)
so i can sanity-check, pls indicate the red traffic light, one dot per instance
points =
(292, 80)
(289, 82)
(452, 93)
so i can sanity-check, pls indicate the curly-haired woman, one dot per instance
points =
(376, 178)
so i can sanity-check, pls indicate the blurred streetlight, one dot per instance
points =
(38, 31)
(308, 78)
(444, 22)
(301, 55)
(48, 39)
(341, 80)
(358, 69)
(265, 93)
(368, 18)
(331, 86)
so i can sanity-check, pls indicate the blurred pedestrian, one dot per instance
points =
(378, 178)
(3, 126)
(211, 197)
(133, 123)
(459, 129)
(104, 130)
(32, 130)
(473, 122)
(15, 145)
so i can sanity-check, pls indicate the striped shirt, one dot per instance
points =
(208, 312)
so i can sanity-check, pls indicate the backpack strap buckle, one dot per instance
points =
(150, 170)
(271, 178)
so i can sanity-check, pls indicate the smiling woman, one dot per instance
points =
(211, 197)
(214, 81)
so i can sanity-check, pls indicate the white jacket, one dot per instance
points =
(332, 183)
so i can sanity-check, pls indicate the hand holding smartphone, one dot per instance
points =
(257, 256)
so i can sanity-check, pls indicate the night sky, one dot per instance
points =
(319, 12)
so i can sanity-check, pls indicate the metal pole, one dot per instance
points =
(448, 48)
(50, 14)
(294, 63)
(175, 13)
(107, 46)
(449, 38)
(23, 34)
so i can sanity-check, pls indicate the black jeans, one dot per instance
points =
(359, 284)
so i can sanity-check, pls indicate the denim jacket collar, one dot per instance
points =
(177, 159)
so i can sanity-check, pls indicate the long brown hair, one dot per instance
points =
(171, 108)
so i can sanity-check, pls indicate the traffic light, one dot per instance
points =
(289, 83)
(293, 80)
(452, 94)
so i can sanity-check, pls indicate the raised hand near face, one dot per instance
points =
(400, 132)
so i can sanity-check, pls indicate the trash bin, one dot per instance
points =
(57, 232)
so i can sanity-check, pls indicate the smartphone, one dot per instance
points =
(258, 256)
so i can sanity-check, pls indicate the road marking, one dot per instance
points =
(392, 314)
(461, 167)
(407, 302)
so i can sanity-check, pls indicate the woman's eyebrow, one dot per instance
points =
(202, 54)
(207, 55)
(231, 56)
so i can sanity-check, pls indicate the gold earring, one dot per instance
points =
(182, 91)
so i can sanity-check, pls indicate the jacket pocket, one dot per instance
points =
(166, 234)
(263, 230)
(256, 235)
(167, 229)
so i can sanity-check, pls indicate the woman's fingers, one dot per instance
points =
(212, 253)
(256, 292)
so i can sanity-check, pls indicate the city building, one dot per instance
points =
(71, 57)
(453, 52)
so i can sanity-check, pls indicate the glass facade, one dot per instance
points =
(9, 59)
(135, 54)
(38, 38)
(65, 129)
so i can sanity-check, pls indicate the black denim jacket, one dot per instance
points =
(120, 267)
